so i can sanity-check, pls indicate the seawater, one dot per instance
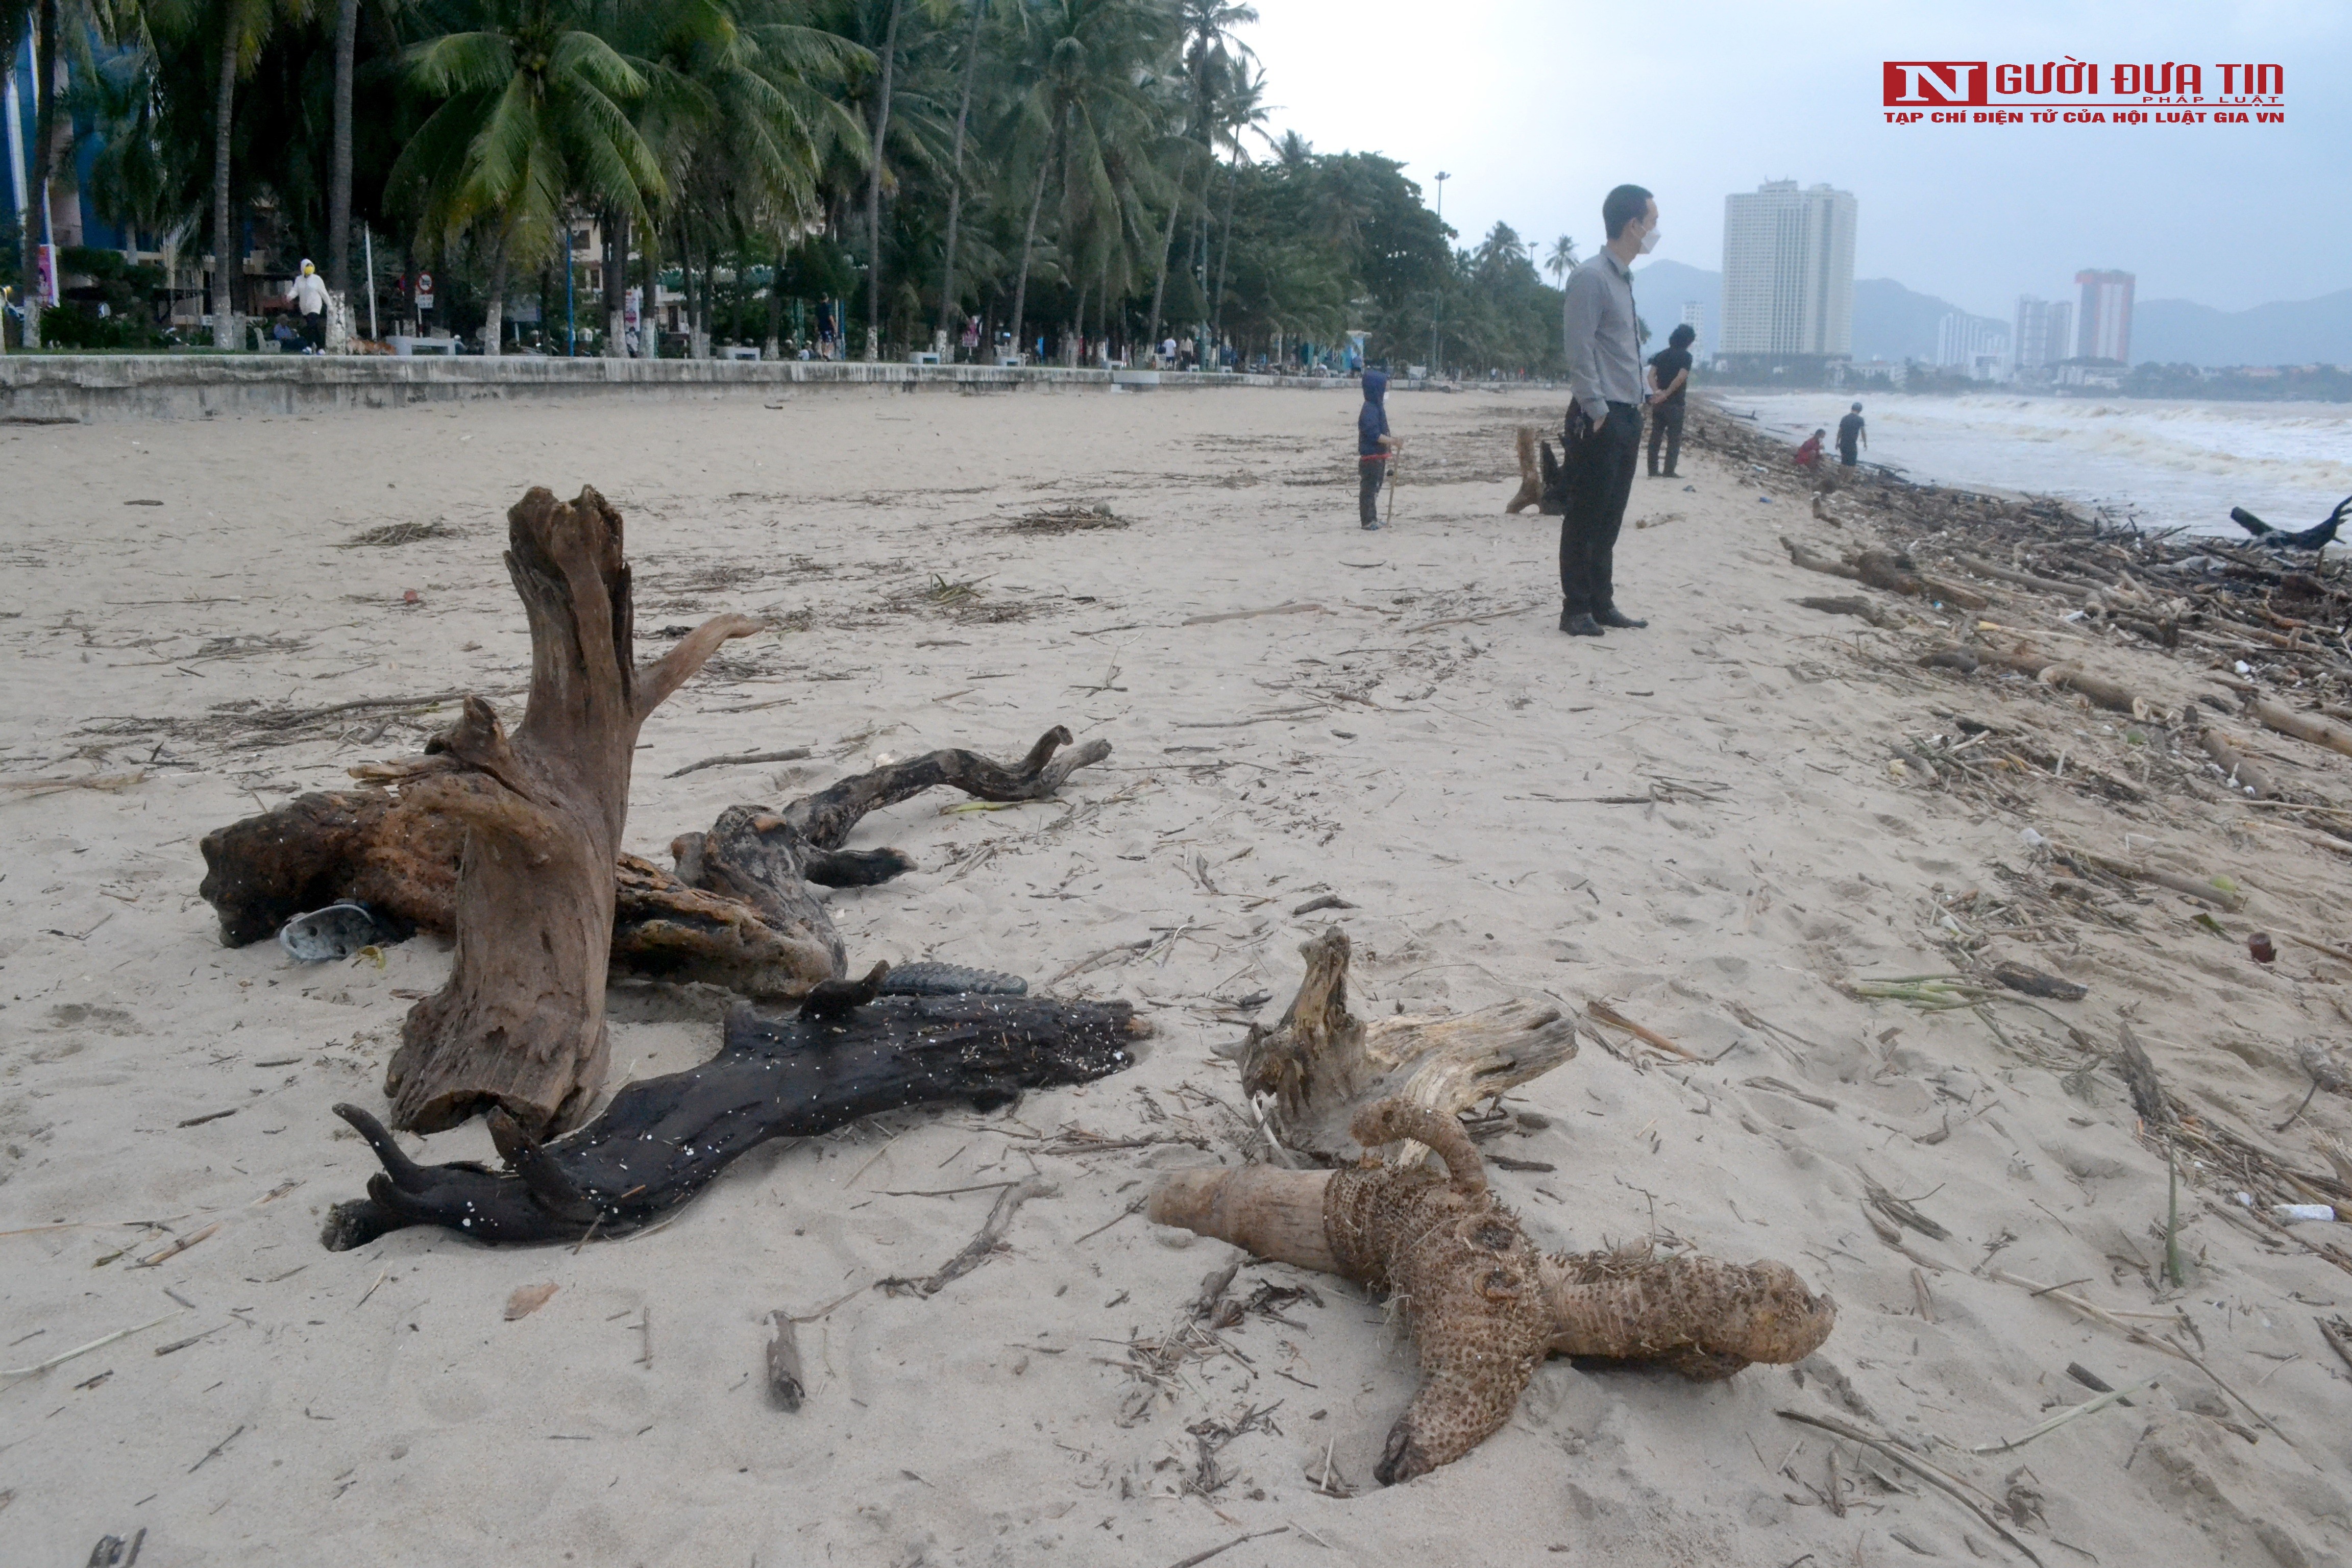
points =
(2155, 463)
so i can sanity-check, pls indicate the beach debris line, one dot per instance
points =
(850, 1052)
(1483, 1305)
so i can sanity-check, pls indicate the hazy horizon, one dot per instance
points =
(2227, 216)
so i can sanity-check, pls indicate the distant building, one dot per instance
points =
(2104, 325)
(2044, 335)
(1971, 344)
(1694, 317)
(1788, 276)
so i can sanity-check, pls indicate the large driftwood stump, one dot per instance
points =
(1322, 1064)
(1483, 1304)
(737, 912)
(847, 1054)
(520, 1024)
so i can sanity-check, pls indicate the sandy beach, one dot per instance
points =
(1707, 824)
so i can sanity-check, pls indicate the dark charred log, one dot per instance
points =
(663, 1140)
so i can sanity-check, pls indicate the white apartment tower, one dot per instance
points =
(2045, 333)
(1788, 273)
(2105, 324)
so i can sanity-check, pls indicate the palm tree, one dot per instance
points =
(1562, 260)
(1083, 105)
(532, 115)
(1242, 109)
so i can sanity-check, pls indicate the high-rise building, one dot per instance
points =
(1972, 344)
(1788, 274)
(1694, 317)
(2045, 333)
(2104, 326)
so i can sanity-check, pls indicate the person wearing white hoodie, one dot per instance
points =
(309, 293)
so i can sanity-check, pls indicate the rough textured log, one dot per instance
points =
(1537, 486)
(1483, 1305)
(1320, 1064)
(520, 1024)
(2236, 767)
(662, 1140)
(737, 912)
(2308, 727)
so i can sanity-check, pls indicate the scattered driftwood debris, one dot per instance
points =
(1483, 1305)
(1068, 520)
(848, 1053)
(393, 534)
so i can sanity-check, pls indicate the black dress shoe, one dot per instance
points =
(1580, 626)
(1613, 617)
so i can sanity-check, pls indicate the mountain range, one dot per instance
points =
(1892, 323)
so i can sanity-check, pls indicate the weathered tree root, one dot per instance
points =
(1484, 1307)
(662, 1140)
(1322, 1064)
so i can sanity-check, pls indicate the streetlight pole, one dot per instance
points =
(1437, 312)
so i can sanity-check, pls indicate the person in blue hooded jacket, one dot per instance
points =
(1373, 446)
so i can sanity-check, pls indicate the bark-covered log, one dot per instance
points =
(846, 1054)
(520, 1023)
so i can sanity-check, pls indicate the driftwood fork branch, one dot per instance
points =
(520, 1024)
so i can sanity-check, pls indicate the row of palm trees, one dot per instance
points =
(1090, 169)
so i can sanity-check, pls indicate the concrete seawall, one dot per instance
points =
(93, 388)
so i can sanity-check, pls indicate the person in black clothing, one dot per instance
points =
(1669, 370)
(1373, 445)
(1850, 433)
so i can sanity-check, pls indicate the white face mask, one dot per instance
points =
(1649, 242)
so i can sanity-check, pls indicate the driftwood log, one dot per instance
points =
(737, 911)
(520, 1023)
(1484, 1306)
(1886, 570)
(1321, 1065)
(848, 1053)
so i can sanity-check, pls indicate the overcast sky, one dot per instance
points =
(1538, 107)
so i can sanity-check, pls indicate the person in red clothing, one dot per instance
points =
(1810, 453)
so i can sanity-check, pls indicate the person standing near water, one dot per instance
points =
(1604, 433)
(1849, 432)
(1373, 445)
(1670, 370)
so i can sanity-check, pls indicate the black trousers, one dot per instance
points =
(314, 329)
(1367, 488)
(1599, 479)
(1667, 426)
(1846, 456)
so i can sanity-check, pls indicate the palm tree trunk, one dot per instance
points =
(1224, 254)
(648, 317)
(1029, 251)
(45, 73)
(223, 243)
(874, 188)
(338, 178)
(494, 320)
(955, 183)
(1167, 242)
(616, 284)
(776, 306)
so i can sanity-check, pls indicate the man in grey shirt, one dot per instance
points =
(1604, 433)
